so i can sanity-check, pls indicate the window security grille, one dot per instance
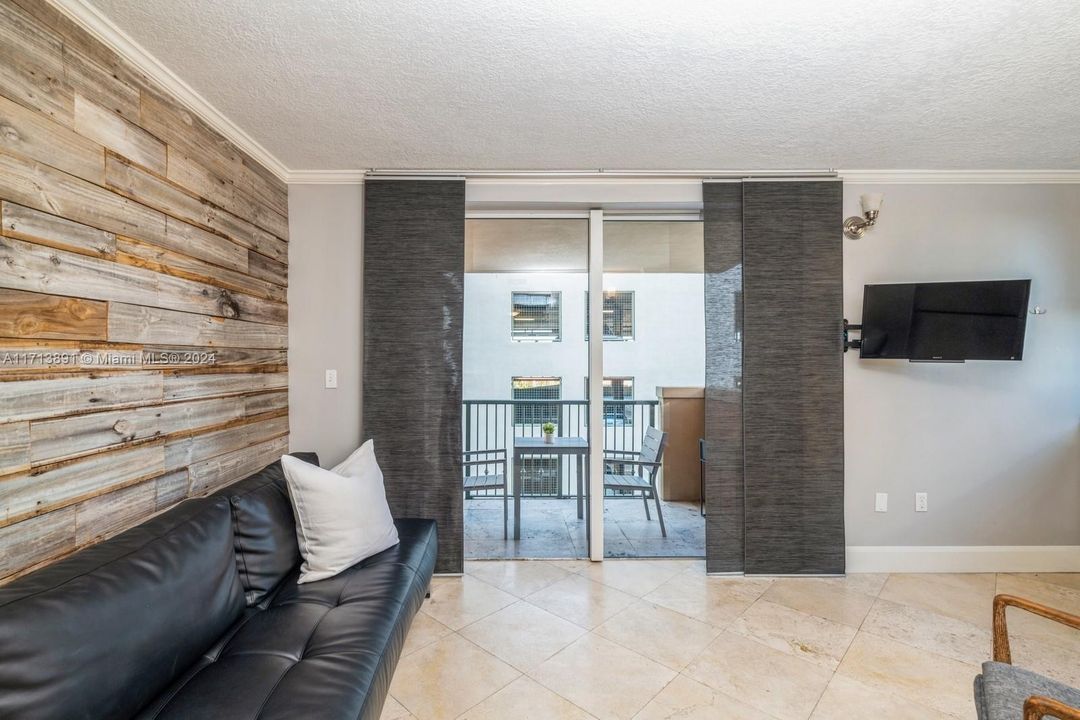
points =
(540, 476)
(618, 315)
(536, 388)
(617, 388)
(535, 316)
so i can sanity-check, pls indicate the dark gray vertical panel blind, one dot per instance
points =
(723, 377)
(793, 430)
(414, 264)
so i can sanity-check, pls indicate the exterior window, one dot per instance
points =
(540, 476)
(617, 388)
(618, 315)
(536, 316)
(533, 389)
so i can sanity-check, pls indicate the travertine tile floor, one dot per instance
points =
(555, 640)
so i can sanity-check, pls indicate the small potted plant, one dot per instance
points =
(549, 432)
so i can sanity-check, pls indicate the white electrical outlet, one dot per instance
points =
(331, 379)
(881, 502)
(920, 502)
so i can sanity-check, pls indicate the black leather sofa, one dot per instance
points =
(196, 613)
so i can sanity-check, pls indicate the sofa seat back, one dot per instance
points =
(264, 528)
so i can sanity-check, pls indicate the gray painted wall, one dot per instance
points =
(995, 444)
(325, 273)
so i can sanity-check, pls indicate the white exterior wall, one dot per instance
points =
(668, 348)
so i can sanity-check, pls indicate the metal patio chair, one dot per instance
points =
(647, 463)
(493, 460)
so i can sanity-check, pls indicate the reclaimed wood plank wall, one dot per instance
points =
(143, 264)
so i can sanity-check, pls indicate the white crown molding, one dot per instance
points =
(961, 177)
(963, 558)
(325, 177)
(884, 177)
(106, 31)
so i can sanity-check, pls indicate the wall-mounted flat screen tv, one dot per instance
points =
(945, 321)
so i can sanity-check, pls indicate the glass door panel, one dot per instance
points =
(653, 309)
(523, 361)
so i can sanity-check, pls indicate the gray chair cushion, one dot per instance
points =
(1001, 690)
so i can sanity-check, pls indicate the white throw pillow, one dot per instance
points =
(340, 518)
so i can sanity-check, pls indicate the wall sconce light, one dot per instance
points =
(855, 227)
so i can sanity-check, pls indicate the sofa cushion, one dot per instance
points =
(101, 633)
(1001, 690)
(340, 520)
(264, 528)
(325, 649)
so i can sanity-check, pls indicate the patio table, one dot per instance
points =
(576, 446)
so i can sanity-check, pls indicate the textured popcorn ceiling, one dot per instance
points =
(632, 84)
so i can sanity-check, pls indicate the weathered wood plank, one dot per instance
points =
(26, 495)
(252, 237)
(27, 266)
(37, 268)
(35, 226)
(270, 270)
(180, 128)
(190, 240)
(36, 540)
(115, 82)
(196, 178)
(136, 324)
(219, 471)
(223, 357)
(112, 513)
(263, 185)
(14, 447)
(186, 417)
(32, 135)
(19, 357)
(265, 402)
(186, 451)
(109, 89)
(31, 399)
(186, 295)
(184, 387)
(135, 183)
(32, 65)
(171, 488)
(33, 315)
(54, 440)
(119, 135)
(61, 356)
(44, 188)
(152, 257)
(232, 185)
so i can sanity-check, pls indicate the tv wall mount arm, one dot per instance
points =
(850, 344)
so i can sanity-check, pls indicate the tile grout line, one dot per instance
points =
(497, 690)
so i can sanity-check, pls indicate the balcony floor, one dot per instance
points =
(551, 529)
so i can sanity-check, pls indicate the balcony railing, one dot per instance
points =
(493, 424)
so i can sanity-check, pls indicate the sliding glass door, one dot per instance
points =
(535, 287)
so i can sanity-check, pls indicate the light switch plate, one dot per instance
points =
(921, 502)
(331, 379)
(881, 502)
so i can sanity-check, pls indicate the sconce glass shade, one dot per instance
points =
(871, 202)
(855, 227)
